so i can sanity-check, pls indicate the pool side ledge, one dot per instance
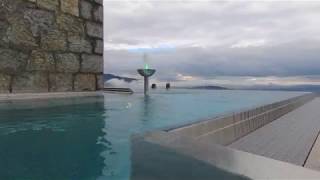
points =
(199, 151)
(51, 95)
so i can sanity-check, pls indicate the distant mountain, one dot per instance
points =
(307, 88)
(206, 87)
(108, 77)
(209, 87)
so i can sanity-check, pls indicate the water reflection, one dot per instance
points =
(146, 107)
(107, 169)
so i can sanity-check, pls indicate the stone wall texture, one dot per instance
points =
(51, 45)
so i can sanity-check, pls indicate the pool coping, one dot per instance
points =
(166, 143)
(226, 114)
(158, 147)
(50, 95)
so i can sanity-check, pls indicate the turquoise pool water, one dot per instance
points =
(88, 138)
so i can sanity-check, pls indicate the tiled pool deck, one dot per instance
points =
(289, 138)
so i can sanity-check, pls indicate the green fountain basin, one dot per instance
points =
(146, 72)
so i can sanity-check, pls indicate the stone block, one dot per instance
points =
(70, 23)
(41, 61)
(60, 82)
(39, 20)
(92, 63)
(70, 6)
(100, 81)
(94, 30)
(3, 27)
(98, 14)
(3, 33)
(79, 44)
(48, 4)
(67, 63)
(85, 9)
(30, 82)
(11, 61)
(4, 83)
(85, 82)
(19, 33)
(54, 41)
(99, 1)
(8, 7)
(99, 47)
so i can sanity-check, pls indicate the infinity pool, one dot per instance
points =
(88, 138)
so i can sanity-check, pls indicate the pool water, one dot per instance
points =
(89, 138)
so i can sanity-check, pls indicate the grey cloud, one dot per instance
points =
(204, 32)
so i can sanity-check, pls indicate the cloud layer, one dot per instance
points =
(209, 40)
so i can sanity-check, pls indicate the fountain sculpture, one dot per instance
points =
(146, 72)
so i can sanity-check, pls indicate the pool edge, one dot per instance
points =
(50, 95)
(216, 153)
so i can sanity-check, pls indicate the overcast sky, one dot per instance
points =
(235, 43)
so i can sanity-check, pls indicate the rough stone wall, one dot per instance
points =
(51, 45)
